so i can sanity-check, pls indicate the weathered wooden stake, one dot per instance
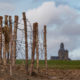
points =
(10, 43)
(26, 40)
(4, 53)
(37, 47)
(6, 20)
(33, 47)
(15, 37)
(45, 47)
(7, 44)
(1, 38)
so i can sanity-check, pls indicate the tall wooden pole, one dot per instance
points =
(26, 40)
(7, 44)
(10, 35)
(45, 47)
(37, 47)
(15, 37)
(4, 44)
(10, 43)
(1, 37)
(33, 47)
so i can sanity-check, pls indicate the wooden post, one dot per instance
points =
(45, 47)
(6, 20)
(1, 38)
(10, 43)
(37, 47)
(10, 25)
(15, 37)
(33, 47)
(6, 45)
(4, 53)
(26, 41)
(10, 35)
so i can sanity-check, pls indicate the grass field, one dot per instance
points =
(56, 64)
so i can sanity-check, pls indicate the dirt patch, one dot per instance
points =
(19, 73)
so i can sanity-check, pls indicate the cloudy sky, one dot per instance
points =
(62, 18)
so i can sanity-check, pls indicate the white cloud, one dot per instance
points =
(62, 25)
(6, 8)
(75, 54)
(48, 13)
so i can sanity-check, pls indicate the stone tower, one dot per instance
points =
(63, 54)
(66, 55)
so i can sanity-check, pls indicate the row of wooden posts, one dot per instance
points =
(8, 50)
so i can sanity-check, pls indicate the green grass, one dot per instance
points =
(64, 64)
(56, 64)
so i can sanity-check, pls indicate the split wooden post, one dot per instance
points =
(45, 47)
(37, 47)
(26, 41)
(33, 47)
(10, 43)
(15, 38)
(1, 37)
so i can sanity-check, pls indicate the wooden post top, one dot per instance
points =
(1, 20)
(6, 20)
(16, 18)
(44, 26)
(1, 17)
(10, 19)
(35, 24)
(24, 16)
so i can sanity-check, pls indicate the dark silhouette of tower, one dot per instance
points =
(62, 53)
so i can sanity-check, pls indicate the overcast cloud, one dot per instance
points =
(62, 26)
(6, 8)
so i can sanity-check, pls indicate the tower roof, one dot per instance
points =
(62, 46)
